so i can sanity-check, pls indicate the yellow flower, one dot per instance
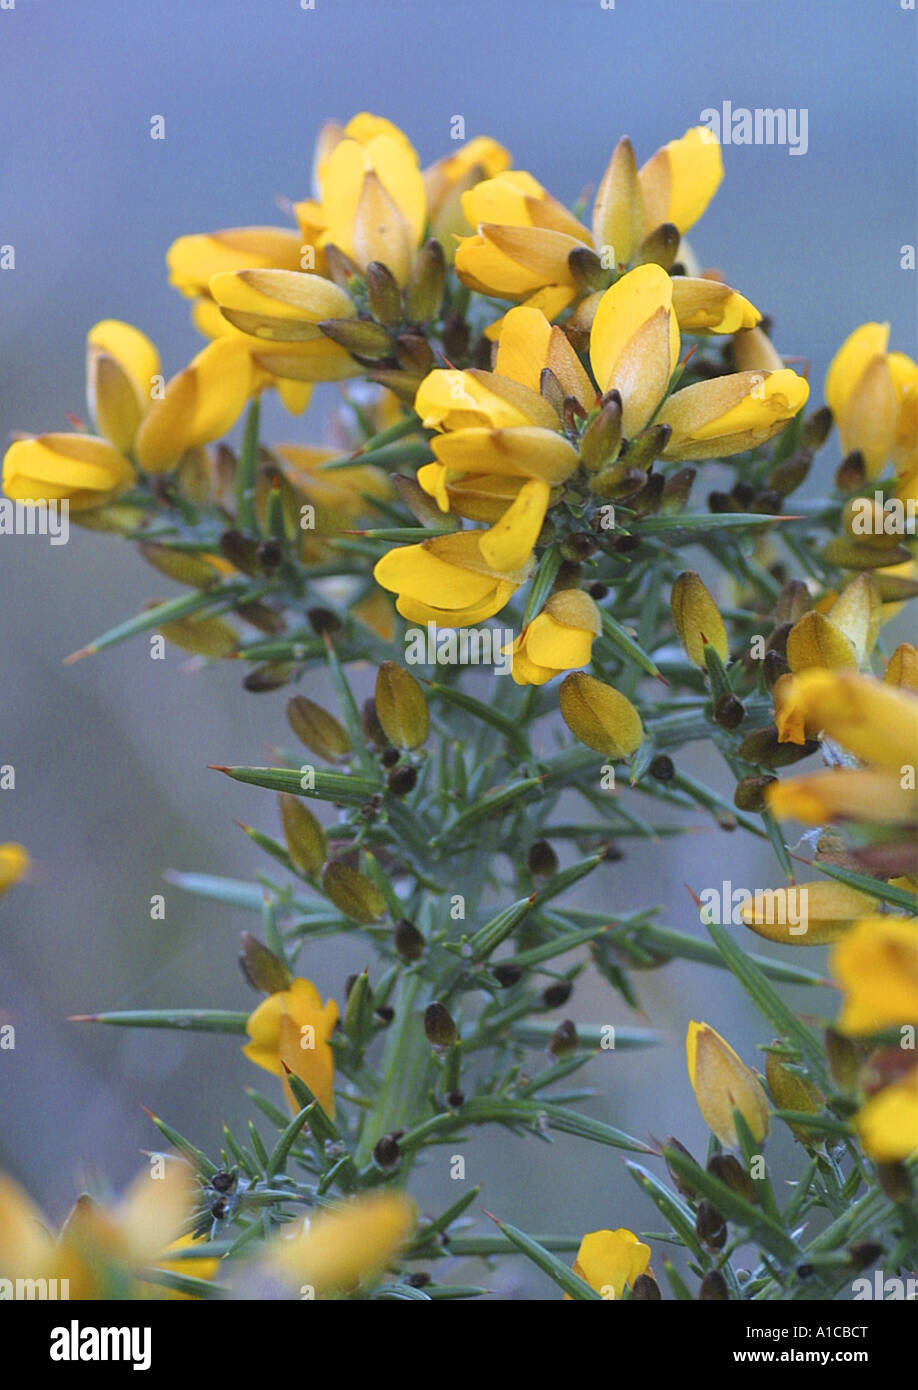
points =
(729, 414)
(634, 342)
(608, 1260)
(709, 306)
(14, 865)
(876, 965)
(524, 238)
(876, 722)
(888, 1122)
(558, 639)
(825, 909)
(862, 397)
(289, 1031)
(344, 1248)
(449, 178)
(194, 260)
(140, 416)
(198, 1266)
(100, 1250)
(447, 580)
(722, 1084)
(844, 636)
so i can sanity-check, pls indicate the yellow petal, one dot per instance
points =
(729, 414)
(816, 641)
(154, 1210)
(381, 232)
(709, 306)
(618, 213)
(14, 865)
(600, 716)
(902, 669)
(193, 260)
(888, 1123)
(679, 181)
(634, 342)
(198, 405)
(519, 453)
(523, 349)
(344, 1247)
(876, 722)
(697, 619)
(876, 964)
(509, 542)
(860, 393)
(279, 305)
(722, 1084)
(130, 348)
(844, 793)
(808, 914)
(608, 1260)
(80, 467)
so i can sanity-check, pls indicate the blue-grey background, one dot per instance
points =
(110, 754)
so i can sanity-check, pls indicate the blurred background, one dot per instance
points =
(110, 754)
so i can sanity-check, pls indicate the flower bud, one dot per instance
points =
(713, 1288)
(750, 793)
(361, 337)
(352, 893)
(587, 270)
(306, 842)
(729, 712)
(179, 565)
(542, 860)
(659, 248)
(710, 1226)
(599, 716)
(851, 473)
(318, 730)
(205, 636)
(697, 619)
(557, 994)
(413, 352)
(844, 1056)
(409, 942)
(268, 676)
(645, 1289)
(791, 1091)
(425, 287)
(681, 1184)
(676, 490)
(728, 1170)
(816, 428)
(601, 440)
(791, 473)
(383, 294)
(261, 967)
(402, 780)
(722, 1084)
(387, 1153)
(439, 1026)
(763, 749)
(662, 768)
(401, 706)
(563, 1040)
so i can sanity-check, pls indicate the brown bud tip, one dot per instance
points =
(387, 1152)
(261, 967)
(731, 1172)
(563, 1040)
(402, 780)
(542, 860)
(851, 474)
(556, 994)
(409, 942)
(729, 712)
(864, 1254)
(439, 1026)
(750, 793)
(816, 428)
(507, 974)
(223, 1181)
(383, 293)
(645, 1289)
(710, 1226)
(713, 1288)
(323, 621)
(662, 768)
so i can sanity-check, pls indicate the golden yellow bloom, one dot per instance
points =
(198, 1266)
(724, 416)
(194, 260)
(697, 618)
(876, 965)
(558, 639)
(860, 393)
(100, 1250)
(449, 178)
(679, 181)
(608, 1260)
(600, 716)
(14, 865)
(709, 306)
(447, 580)
(876, 722)
(634, 342)
(344, 1248)
(85, 470)
(845, 793)
(902, 668)
(289, 1031)
(888, 1122)
(722, 1084)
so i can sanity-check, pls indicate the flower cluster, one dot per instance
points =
(526, 406)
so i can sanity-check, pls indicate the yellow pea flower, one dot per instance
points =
(102, 1251)
(753, 351)
(861, 395)
(193, 260)
(904, 451)
(447, 580)
(679, 181)
(888, 1122)
(722, 1084)
(84, 470)
(558, 639)
(825, 909)
(198, 1266)
(876, 722)
(290, 1030)
(451, 400)
(634, 342)
(343, 1248)
(845, 793)
(876, 965)
(610, 1260)
(600, 716)
(449, 178)
(902, 668)
(724, 416)
(844, 636)
(14, 865)
(709, 306)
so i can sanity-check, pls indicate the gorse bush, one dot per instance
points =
(500, 546)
